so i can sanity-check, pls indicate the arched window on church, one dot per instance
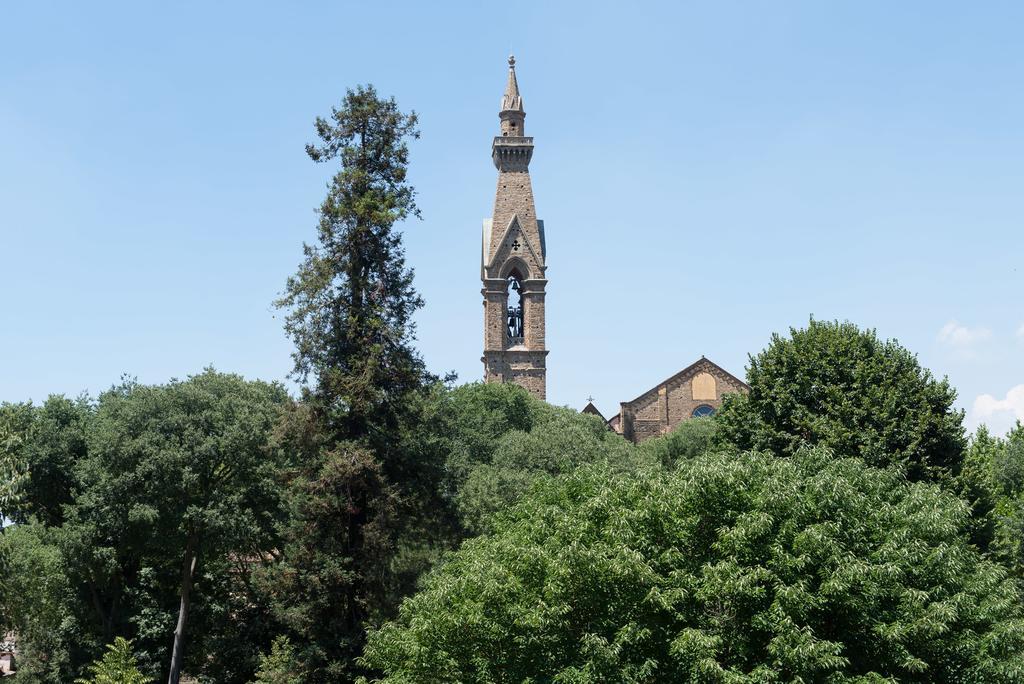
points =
(703, 411)
(514, 309)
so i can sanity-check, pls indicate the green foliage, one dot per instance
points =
(118, 666)
(993, 482)
(47, 441)
(690, 439)
(40, 605)
(841, 387)
(976, 485)
(357, 494)
(280, 666)
(334, 567)
(465, 423)
(733, 567)
(1008, 474)
(558, 441)
(1008, 464)
(141, 475)
(350, 304)
(13, 471)
(495, 442)
(176, 474)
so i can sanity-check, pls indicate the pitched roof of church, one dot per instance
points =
(592, 410)
(688, 369)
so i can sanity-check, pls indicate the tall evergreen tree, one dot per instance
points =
(349, 313)
(351, 303)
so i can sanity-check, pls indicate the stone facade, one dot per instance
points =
(513, 264)
(696, 390)
(513, 259)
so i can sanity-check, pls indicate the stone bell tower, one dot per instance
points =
(513, 259)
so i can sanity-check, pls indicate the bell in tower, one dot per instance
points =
(514, 258)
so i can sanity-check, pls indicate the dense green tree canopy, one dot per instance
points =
(841, 387)
(992, 480)
(13, 472)
(47, 441)
(737, 568)
(495, 442)
(185, 470)
(40, 604)
(558, 441)
(689, 439)
(160, 487)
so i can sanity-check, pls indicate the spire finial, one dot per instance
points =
(512, 102)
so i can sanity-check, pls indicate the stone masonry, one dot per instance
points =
(513, 262)
(696, 390)
(513, 259)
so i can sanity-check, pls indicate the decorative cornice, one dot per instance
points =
(512, 153)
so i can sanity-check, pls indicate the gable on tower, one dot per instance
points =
(513, 266)
(513, 259)
(514, 244)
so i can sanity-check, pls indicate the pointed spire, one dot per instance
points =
(512, 101)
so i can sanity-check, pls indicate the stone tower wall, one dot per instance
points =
(513, 243)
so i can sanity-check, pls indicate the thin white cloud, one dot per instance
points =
(1020, 332)
(999, 415)
(961, 337)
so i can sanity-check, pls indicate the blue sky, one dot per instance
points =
(707, 173)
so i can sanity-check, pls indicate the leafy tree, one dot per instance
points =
(47, 441)
(40, 605)
(117, 666)
(992, 481)
(13, 472)
(1008, 464)
(559, 441)
(1008, 474)
(465, 423)
(280, 666)
(733, 567)
(349, 314)
(690, 439)
(176, 474)
(975, 484)
(495, 442)
(232, 618)
(841, 387)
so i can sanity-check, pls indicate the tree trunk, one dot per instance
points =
(178, 654)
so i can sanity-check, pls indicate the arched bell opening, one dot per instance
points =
(514, 329)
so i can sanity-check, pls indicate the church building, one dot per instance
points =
(694, 392)
(513, 265)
